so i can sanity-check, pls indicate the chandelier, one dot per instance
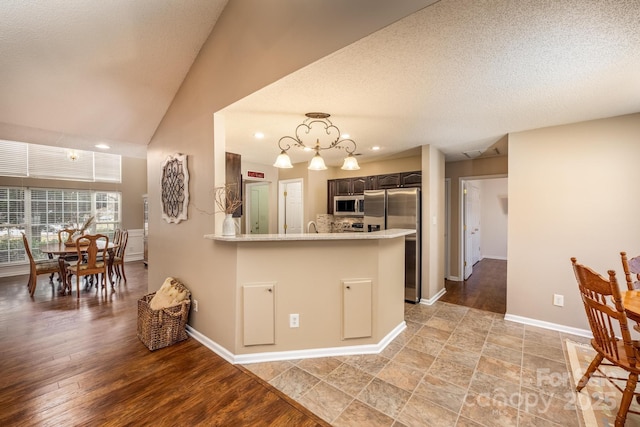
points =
(320, 120)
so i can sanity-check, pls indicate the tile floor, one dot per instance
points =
(452, 366)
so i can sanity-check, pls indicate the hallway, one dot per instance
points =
(485, 289)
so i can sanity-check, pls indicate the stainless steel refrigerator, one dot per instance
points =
(398, 208)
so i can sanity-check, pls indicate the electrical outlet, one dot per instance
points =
(558, 300)
(195, 305)
(294, 320)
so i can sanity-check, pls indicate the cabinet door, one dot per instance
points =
(356, 308)
(343, 187)
(331, 191)
(411, 179)
(371, 182)
(258, 305)
(389, 181)
(358, 185)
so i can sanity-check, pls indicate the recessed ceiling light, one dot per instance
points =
(258, 135)
(375, 148)
(102, 146)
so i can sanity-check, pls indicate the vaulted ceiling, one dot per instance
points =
(458, 74)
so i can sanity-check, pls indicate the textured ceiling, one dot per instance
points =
(458, 75)
(78, 72)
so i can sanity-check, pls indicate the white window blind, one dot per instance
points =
(13, 158)
(49, 162)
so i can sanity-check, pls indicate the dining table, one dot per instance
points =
(631, 303)
(62, 251)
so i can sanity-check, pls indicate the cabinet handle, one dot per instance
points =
(348, 287)
(270, 290)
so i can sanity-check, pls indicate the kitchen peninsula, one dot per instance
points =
(316, 294)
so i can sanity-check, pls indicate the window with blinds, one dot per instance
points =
(49, 162)
(40, 213)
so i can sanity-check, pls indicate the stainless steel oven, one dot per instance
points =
(348, 205)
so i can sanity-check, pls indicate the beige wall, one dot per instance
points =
(455, 171)
(572, 193)
(134, 185)
(253, 44)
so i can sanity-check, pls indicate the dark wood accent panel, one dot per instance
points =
(65, 362)
(233, 175)
(331, 191)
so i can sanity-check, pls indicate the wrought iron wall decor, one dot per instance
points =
(175, 188)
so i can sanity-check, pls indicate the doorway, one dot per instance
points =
(290, 206)
(482, 248)
(257, 221)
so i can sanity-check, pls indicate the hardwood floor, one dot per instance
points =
(65, 361)
(485, 289)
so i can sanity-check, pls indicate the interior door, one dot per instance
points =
(471, 226)
(290, 206)
(258, 208)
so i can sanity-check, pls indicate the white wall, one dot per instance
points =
(573, 192)
(493, 218)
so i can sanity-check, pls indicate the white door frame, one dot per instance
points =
(282, 208)
(461, 181)
(248, 186)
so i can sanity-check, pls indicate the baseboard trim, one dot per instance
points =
(548, 325)
(295, 354)
(434, 298)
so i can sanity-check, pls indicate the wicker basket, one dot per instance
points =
(164, 327)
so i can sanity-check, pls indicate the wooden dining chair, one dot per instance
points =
(37, 268)
(631, 269)
(603, 305)
(94, 249)
(65, 234)
(118, 258)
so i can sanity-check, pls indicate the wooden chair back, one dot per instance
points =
(37, 268)
(603, 305)
(94, 249)
(65, 234)
(122, 244)
(631, 269)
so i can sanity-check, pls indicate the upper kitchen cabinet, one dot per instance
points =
(401, 179)
(351, 186)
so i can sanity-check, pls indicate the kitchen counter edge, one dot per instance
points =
(374, 235)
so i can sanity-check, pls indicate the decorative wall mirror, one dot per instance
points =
(175, 188)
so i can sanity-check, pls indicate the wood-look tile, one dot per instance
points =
(384, 397)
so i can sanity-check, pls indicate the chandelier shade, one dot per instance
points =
(321, 122)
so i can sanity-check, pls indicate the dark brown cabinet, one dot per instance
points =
(401, 179)
(358, 185)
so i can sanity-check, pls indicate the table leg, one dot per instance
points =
(63, 276)
(110, 267)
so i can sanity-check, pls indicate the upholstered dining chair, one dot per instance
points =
(37, 268)
(118, 258)
(94, 248)
(603, 305)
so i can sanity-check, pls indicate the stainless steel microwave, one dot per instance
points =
(348, 205)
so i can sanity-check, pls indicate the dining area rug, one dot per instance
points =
(598, 402)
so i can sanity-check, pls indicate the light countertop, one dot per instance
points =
(374, 235)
